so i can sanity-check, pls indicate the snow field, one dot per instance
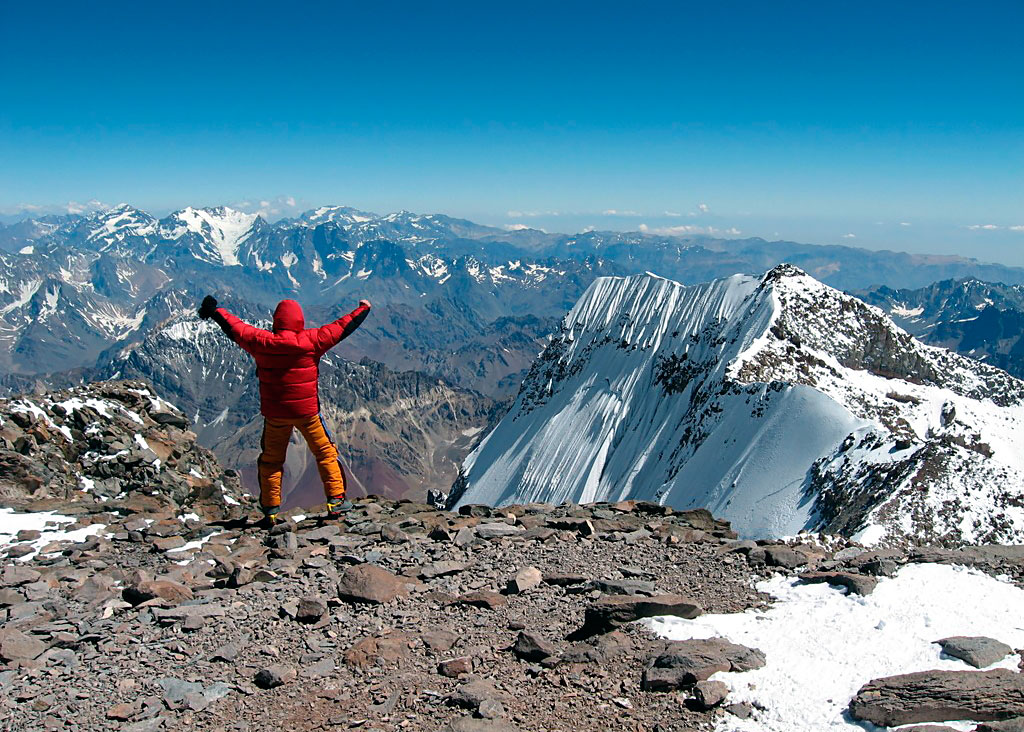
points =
(822, 645)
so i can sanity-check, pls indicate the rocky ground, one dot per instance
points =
(399, 617)
(172, 611)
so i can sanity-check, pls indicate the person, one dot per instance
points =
(288, 366)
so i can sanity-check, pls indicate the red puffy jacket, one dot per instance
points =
(288, 358)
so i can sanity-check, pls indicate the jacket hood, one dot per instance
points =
(288, 316)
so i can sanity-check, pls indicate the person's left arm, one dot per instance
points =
(330, 335)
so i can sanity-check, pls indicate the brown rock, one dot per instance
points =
(378, 651)
(784, 556)
(709, 694)
(1007, 725)
(472, 724)
(532, 647)
(371, 584)
(525, 579)
(14, 576)
(164, 589)
(455, 667)
(166, 544)
(439, 640)
(978, 651)
(441, 569)
(122, 712)
(475, 691)
(684, 663)
(310, 609)
(274, 676)
(938, 696)
(17, 646)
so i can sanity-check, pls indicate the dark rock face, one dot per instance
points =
(937, 696)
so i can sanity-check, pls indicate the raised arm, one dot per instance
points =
(237, 330)
(330, 335)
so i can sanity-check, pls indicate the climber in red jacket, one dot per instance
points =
(288, 366)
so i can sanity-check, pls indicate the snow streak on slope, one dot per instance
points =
(743, 396)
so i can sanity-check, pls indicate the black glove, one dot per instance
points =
(208, 307)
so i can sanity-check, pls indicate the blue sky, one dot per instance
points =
(886, 125)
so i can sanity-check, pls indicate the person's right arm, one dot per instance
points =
(236, 329)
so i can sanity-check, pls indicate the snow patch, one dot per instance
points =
(822, 645)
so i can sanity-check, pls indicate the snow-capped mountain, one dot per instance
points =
(776, 402)
(212, 235)
(981, 319)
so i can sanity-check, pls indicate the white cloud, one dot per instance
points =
(74, 207)
(1016, 228)
(904, 223)
(673, 214)
(849, 236)
(687, 229)
(516, 227)
(274, 208)
(531, 214)
(703, 207)
(588, 229)
(984, 227)
(616, 212)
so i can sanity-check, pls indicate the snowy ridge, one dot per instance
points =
(219, 232)
(119, 223)
(780, 404)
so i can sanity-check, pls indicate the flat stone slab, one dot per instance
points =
(498, 530)
(685, 663)
(611, 611)
(18, 646)
(941, 696)
(858, 584)
(189, 611)
(978, 651)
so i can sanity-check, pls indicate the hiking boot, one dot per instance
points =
(335, 509)
(270, 518)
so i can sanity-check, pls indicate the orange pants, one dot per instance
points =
(276, 433)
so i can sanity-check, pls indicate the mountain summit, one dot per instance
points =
(777, 402)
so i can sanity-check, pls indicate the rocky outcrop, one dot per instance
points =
(109, 446)
(938, 696)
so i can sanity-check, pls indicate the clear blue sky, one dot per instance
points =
(882, 124)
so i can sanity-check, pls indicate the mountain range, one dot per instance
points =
(461, 311)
